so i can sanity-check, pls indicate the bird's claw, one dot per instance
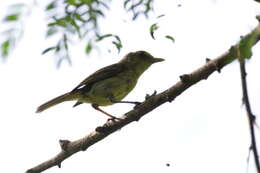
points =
(137, 104)
(114, 119)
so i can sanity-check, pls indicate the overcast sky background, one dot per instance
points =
(204, 130)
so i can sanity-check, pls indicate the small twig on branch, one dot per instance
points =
(71, 147)
(251, 117)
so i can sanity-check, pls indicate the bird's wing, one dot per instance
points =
(99, 75)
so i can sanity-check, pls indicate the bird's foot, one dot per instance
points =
(137, 104)
(113, 118)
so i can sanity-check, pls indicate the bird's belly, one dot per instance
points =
(102, 92)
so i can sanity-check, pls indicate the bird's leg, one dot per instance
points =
(96, 106)
(130, 102)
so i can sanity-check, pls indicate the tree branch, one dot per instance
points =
(251, 117)
(152, 102)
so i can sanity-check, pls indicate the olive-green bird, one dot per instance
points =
(108, 85)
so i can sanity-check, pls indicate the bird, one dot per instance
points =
(108, 85)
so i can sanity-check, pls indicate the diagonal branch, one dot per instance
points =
(152, 102)
(250, 115)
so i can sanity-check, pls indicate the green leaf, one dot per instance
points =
(98, 12)
(99, 38)
(79, 18)
(51, 31)
(117, 38)
(72, 2)
(62, 23)
(87, 1)
(88, 48)
(51, 6)
(170, 38)
(48, 49)
(75, 25)
(67, 19)
(118, 45)
(5, 48)
(12, 17)
(59, 22)
(162, 15)
(153, 28)
(52, 24)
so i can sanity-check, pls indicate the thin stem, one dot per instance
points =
(250, 115)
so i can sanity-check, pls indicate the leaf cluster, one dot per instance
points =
(76, 20)
(14, 21)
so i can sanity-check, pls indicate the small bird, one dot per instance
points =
(108, 85)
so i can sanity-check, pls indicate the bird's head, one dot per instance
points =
(140, 60)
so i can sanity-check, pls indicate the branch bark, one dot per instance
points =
(69, 148)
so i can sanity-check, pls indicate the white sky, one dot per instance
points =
(203, 130)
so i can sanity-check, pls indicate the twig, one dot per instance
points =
(251, 117)
(69, 148)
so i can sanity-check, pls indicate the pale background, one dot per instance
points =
(204, 130)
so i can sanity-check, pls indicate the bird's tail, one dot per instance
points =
(55, 101)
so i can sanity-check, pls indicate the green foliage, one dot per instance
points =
(12, 34)
(116, 40)
(139, 7)
(88, 48)
(5, 48)
(12, 17)
(51, 6)
(51, 31)
(99, 38)
(75, 20)
(153, 28)
(117, 43)
(170, 38)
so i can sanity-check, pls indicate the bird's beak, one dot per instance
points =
(158, 60)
